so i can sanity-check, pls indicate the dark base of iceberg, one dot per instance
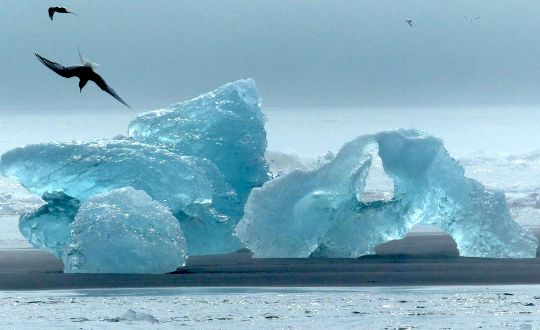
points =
(203, 161)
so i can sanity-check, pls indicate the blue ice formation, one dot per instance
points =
(190, 186)
(225, 126)
(321, 212)
(204, 160)
(124, 231)
(201, 158)
(48, 227)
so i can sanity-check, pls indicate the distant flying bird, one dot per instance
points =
(85, 72)
(471, 19)
(60, 10)
(409, 21)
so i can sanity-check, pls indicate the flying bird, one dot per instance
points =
(60, 10)
(409, 21)
(471, 19)
(85, 72)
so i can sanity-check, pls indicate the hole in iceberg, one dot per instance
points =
(379, 186)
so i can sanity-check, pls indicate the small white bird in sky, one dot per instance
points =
(409, 21)
(471, 19)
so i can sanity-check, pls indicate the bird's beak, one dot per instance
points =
(80, 90)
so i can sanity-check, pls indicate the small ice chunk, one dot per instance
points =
(124, 231)
(132, 315)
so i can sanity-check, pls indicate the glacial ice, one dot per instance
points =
(204, 159)
(124, 231)
(201, 158)
(225, 126)
(83, 169)
(321, 212)
(190, 186)
(48, 227)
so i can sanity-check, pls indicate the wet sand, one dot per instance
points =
(426, 259)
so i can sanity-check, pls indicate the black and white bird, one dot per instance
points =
(409, 21)
(60, 10)
(85, 72)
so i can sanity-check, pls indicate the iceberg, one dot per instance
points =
(84, 169)
(204, 159)
(48, 227)
(321, 212)
(201, 158)
(124, 231)
(225, 126)
(190, 186)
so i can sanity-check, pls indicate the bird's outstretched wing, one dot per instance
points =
(73, 13)
(103, 85)
(58, 68)
(51, 13)
(80, 55)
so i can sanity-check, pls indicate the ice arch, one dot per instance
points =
(321, 211)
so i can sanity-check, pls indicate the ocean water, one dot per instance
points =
(500, 146)
(473, 307)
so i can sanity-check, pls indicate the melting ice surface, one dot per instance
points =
(225, 126)
(142, 234)
(203, 157)
(321, 212)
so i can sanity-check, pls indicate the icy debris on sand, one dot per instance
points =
(132, 315)
(124, 231)
(321, 212)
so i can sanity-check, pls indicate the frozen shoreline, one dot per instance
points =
(436, 307)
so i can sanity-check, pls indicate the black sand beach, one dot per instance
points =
(420, 259)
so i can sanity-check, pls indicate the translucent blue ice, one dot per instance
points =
(124, 231)
(321, 212)
(225, 126)
(83, 169)
(204, 160)
(201, 158)
(48, 227)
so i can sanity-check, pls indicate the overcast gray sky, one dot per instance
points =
(301, 53)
